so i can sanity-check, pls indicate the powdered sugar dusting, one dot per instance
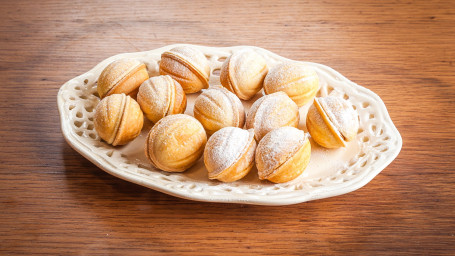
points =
(284, 73)
(274, 111)
(115, 72)
(341, 114)
(175, 69)
(154, 96)
(194, 57)
(187, 66)
(278, 146)
(215, 104)
(300, 81)
(247, 65)
(224, 148)
(165, 122)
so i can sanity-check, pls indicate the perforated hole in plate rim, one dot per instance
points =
(356, 172)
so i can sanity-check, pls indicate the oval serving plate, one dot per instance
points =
(329, 173)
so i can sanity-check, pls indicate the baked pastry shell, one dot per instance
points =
(322, 129)
(243, 73)
(192, 71)
(217, 108)
(293, 167)
(161, 96)
(266, 114)
(122, 76)
(241, 166)
(301, 83)
(118, 119)
(175, 143)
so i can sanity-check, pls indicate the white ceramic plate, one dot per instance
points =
(329, 173)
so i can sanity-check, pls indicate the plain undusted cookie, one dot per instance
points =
(175, 143)
(229, 154)
(243, 73)
(118, 119)
(271, 112)
(217, 108)
(283, 154)
(332, 122)
(299, 81)
(161, 96)
(122, 76)
(188, 66)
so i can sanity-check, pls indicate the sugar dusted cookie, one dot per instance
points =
(229, 154)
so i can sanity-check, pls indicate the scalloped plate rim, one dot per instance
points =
(318, 193)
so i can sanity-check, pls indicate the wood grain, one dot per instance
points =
(53, 201)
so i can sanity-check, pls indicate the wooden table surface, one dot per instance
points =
(54, 201)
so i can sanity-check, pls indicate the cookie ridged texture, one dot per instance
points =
(320, 128)
(341, 115)
(118, 119)
(161, 96)
(217, 108)
(115, 73)
(188, 66)
(243, 73)
(108, 114)
(332, 122)
(294, 166)
(131, 123)
(276, 148)
(299, 81)
(225, 148)
(271, 112)
(175, 143)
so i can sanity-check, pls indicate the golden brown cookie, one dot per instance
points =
(229, 154)
(175, 143)
(161, 96)
(122, 76)
(300, 82)
(243, 73)
(270, 112)
(217, 107)
(118, 119)
(332, 122)
(188, 66)
(283, 154)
